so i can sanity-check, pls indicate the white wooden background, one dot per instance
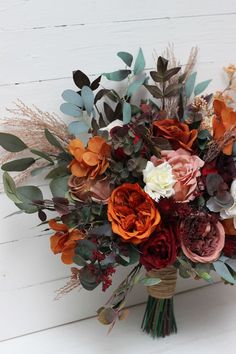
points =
(41, 42)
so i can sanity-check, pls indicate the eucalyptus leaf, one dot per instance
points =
(88, 279)
(18, 165)
(59, 186)
(12, 143)
(126, 57)
(149, 281)
(42, 154)
(39, 170)
(59, 171)
(118, 75)
(154, 90)
(135, 86)
(85, 249)
(53, 140)
(126, 113)
(10, 188)
(189, 84)
(223, 271)
(88, 98)
(139, 64)
(80, 261)
(29, 194)
(70, 109)
(72, 97)
(77, 128)
(199, 88)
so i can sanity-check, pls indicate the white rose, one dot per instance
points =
(159, 180)
(230, 213)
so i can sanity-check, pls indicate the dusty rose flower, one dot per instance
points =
(202, 237)
(186, 169)
(87, 189)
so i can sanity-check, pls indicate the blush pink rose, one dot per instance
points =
(186, 170)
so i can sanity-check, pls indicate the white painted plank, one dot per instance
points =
(206, 324)
(53, 53)
(36, 14)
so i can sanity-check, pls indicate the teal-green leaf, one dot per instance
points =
(135, 86)
(28, 194)
(126, 112)
(70, 109)
(11, 143)
(18, 165)
(53, 140)
(88, 98)
(72, 96)
(199, 88)
(10, 188)
(223, 271)
(126, 57)
(189, 85)
(118, 75)
(139, 64)
(149, 281)
(85, 249)
(59, 186)
(77, 128)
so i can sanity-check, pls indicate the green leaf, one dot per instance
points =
(189, 84)
(204, 134)
(10, 188)
(72, 97)
(53, 140)
(88, 280)
(70, 109)
(85, 249)
(80, 79)
(172, 90)
(231, 263)
(42, 154)
(154, 90)
(28, 194)
(222, 269)
(139, 64)
(149, 281)
(126, 112)
(88, 98)
(171, 72)
(11, 143)
(201, 87)
(134, 255)
(18, 165)
(157, 77)
(126, 57)
(59, 186)
(59, 171)
(79, 260)
(39, 170)
(117, 75)
(162, 64)
(135, 86)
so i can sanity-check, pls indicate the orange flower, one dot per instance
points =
(90, 161)
(132, 213)
(224, 120)
(229, 227)
(178, 133)
(64, 241)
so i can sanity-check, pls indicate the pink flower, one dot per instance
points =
(186, 170)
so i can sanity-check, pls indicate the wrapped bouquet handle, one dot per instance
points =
(159, 318)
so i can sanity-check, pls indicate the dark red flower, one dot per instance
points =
(160, 250)
(229, 249)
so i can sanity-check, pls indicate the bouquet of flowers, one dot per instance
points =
(147, 182)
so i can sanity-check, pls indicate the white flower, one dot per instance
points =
(115, 123)
(230, 213)
(159, 180)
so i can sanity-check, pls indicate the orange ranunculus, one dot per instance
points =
(91, 161)
(225, 119)
(132, 213)
(176, 132)
(64, 241)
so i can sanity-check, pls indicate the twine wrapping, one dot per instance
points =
(166, 288)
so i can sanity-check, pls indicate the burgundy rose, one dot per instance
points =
(229, 249)
(160, 250)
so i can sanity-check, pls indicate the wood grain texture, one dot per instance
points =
(41, 42)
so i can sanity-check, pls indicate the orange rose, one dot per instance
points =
(178, 133)
(132, 213)
(90, 161)
(224, 120)
(64, 241)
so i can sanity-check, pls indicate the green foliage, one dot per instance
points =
(28, 195)
(85, 250)
(12, 143)
(88, 98)
(88, 279)
(10, 188)
(126, 57)
(225, 270)
(199, 88)
(189, 84)
(126, 112)
(42, 154)
(18, 165)
(118, 75)
(139, 64)
(53, 140)
(149, 281)
(59, 186)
